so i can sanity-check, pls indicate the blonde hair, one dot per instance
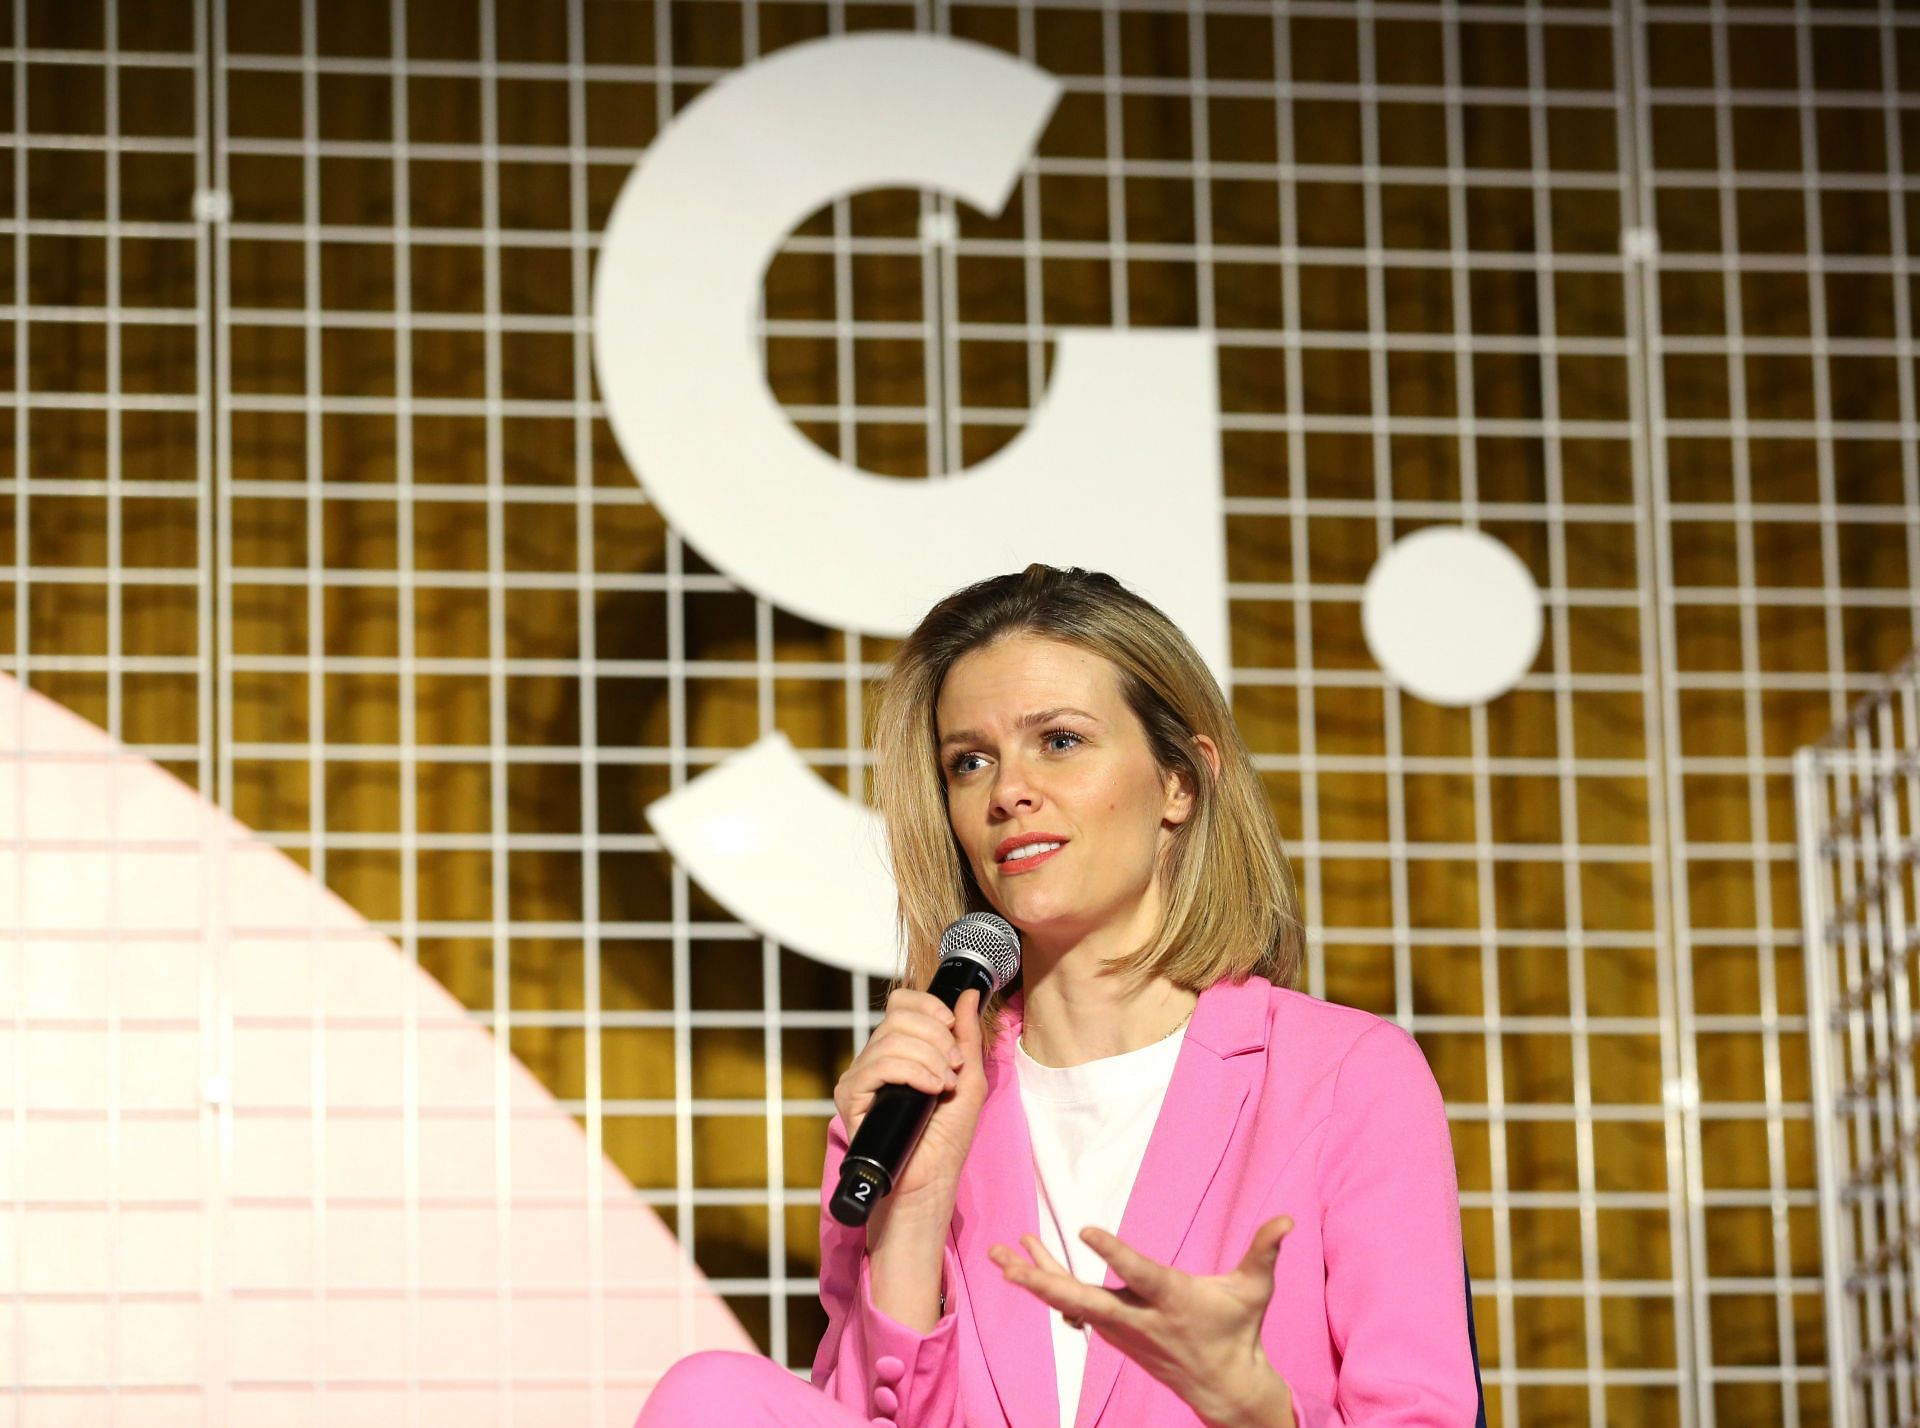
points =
(1230, 908)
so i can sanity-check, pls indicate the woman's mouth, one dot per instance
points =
(1028, 856)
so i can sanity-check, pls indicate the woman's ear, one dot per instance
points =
(1210, 752)
(1180, 790)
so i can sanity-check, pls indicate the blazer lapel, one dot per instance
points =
(1197, 1121)
(995, 1203)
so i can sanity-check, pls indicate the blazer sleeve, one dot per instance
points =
(867, 1360)
(1396, 1301)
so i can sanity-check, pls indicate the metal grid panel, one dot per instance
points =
(105, 397)
(1857, 795)
(1774, 147)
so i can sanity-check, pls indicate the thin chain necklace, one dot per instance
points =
(1183, 1020)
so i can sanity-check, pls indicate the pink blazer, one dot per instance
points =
(1279, 1104)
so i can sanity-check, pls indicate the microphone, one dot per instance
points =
(980, 951)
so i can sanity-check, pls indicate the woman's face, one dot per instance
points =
(1052, 791)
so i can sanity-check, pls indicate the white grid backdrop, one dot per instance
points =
(407, 523)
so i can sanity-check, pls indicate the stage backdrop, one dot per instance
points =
(317, 503)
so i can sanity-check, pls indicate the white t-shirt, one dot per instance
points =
(1089, 1125)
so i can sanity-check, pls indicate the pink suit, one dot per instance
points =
(1279, 1104)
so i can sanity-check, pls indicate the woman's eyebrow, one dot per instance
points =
(1027, 721)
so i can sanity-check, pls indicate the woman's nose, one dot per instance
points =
(1014, 793)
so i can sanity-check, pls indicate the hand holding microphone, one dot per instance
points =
(920, 1080)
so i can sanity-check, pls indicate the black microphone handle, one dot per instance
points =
(898, 1114)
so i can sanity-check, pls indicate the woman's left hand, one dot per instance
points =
(1197, 1334)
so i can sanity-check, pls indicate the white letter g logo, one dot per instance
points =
(1118, 470)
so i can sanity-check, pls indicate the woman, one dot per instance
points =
(1158, 1186)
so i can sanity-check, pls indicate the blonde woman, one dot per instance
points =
(1159, 1187)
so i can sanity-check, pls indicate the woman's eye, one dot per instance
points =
(1054, 741)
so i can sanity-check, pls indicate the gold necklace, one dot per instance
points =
(1183, 1020)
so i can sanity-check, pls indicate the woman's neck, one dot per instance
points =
(1072, 1013)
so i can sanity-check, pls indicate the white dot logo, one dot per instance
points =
(1452, 616)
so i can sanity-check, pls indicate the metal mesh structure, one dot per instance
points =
(1859, 790)
(312, 500)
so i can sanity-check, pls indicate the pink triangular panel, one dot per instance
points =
(258, 1167)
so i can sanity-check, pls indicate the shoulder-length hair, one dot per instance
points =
(1230, 910)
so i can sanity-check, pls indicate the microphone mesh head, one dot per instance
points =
(987, 939)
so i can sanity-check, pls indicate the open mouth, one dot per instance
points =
(1030, 854)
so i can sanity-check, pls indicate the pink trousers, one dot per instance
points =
(741, 1391)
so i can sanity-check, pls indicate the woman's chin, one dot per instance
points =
(1042, 917)
(1049, 915)
(1025, 918)
(1047, 920)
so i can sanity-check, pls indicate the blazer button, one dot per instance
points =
(885, 1399)
(889, 1368)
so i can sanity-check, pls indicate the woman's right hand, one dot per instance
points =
(920, 1043)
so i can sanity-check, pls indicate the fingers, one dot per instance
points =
(924, 1017)
(1031, 1244)
(905, 999)
(915, 1045)
(894, 1057)
(914, 1069)
(1059, 1290)
(920, 1027)
(940, 1055)
(1145, 1277)
(1261, 1255)
(956, 1029)
(925, 1014)
(966, 1026)
(914, 1052)
(911, 1031)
